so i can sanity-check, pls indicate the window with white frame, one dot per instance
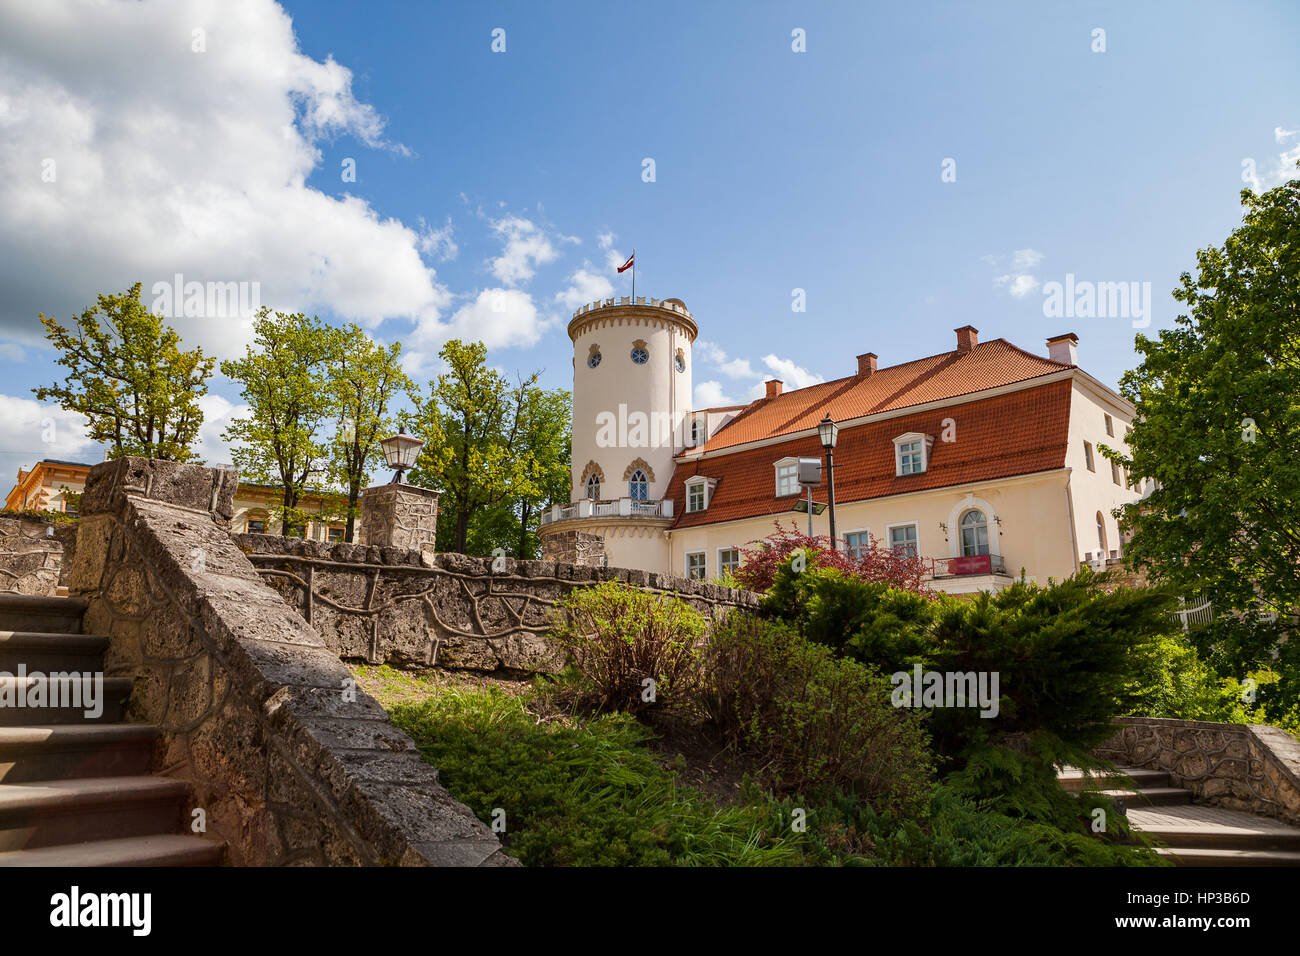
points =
(1087, 456)
(593, 485)
(911, 453)
(1115, 474)
(638, 486)
(787, 477)
(695, 565)
(902, 539)
(974, 534)
(697, 496)
(857, 543)
(1110, 426)
(728, 560)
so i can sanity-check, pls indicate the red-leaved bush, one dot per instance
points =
(757, 570)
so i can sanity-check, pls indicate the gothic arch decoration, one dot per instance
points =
(643, 465)
(591, 470)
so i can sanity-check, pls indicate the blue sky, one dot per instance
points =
(521, 171)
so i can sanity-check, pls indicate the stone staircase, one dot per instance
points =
(76, 791)
(1195, 834)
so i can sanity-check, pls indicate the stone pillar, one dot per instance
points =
(399, 516)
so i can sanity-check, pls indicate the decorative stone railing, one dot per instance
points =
(31, 554)
(627, 300)
(289, 760)
(410, 608)
(1250, 767)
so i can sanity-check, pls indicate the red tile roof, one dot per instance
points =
(1017, 433)
(951, 374)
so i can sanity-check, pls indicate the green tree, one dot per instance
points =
(491, 450)
(544, 425)
(364, 377)
(1218, 420)
(128, 376)
(284, 375)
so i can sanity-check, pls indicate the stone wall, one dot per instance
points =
(290, 761)
(31, 554)
(400, 515)
(408, 608)
(1250, 767)
(574, 547)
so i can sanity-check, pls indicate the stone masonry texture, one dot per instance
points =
(410, 608)
(399, 515)
(1250, 767)
(31, 554)
(290, 761)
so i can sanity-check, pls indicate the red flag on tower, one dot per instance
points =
(627, 265)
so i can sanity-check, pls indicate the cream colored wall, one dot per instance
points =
(1091, 492)
(641, 545)
(654, 386)
(1034, 533)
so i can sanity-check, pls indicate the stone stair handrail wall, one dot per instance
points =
(32, 554)
(409, 608)
(290, 763)
(1249, 767)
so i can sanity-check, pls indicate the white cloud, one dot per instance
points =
(12, 351)
(605, 240)
(790, 373)
(710, 395)
(585, 285)
(499, 318)
(438, 242)
(217, 414)
(1023, 260)
(167, 160)
(526, 247)
(1018, 285)
(30, 431)
(738, 368)
(705, 351)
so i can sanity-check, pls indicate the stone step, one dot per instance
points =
(44, 651)
(51, 813)
(1150, 796)
(65, 751)
(1074, 781)
(1201, 856)
(1223, 838)
(25, 612)
(157, 850)
(116, 691)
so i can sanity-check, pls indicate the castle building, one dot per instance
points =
(983, 460)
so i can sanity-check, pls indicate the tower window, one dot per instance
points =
(593, 486)
(640, 356)
(680, 362)
(593, 359)
(638, 487)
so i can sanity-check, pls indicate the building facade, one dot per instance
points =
(47, 484)
(983, 460)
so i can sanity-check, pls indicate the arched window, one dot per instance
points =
(638, 487)
(974, 534)
(1101, 534)
(593, 486)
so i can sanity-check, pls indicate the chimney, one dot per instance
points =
(866, 364)
(1062, 348)
(774, 387)
(967, 338)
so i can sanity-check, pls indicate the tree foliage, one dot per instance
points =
(494, 451)
(284, 375)
(129, 377)
(1218, 420)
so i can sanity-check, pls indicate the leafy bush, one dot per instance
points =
(35, 514)
(619, 637)
(758, 568)
(818, 722)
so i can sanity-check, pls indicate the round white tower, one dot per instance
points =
(631, 404)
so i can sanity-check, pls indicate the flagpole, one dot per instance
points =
(634, 276)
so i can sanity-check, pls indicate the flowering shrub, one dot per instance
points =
(757, 571)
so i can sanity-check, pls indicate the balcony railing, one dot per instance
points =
(968, 566)
(609, 508)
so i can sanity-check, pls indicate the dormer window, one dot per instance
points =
(698, 493)
(912, 453)
(787, 477)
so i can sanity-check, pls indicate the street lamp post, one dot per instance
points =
(400, 453)
(829, 433)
